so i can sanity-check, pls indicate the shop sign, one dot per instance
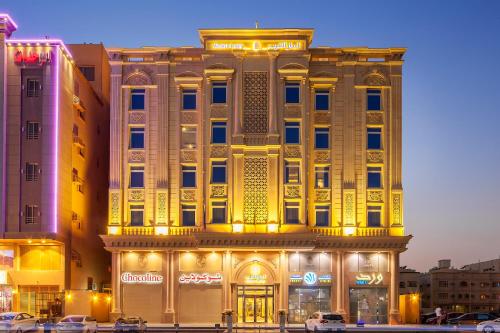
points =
(197, 278)
(256, 45)
(325, 278)
(146, 278)
(369, 279)
(311, 278)
(32, 58)
(295, 278)
(256, 278)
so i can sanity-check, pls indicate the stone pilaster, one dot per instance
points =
(272, 189)
(116, 307)
(237, 98)
(238, 187)
(115, 147)
(394, 315)
(273, 113)
(227, 271)
(339, 274)
(167, 288)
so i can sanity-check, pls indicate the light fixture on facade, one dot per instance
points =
(114, 230)
(238, 227)
(349, 231)
(161, 231)
(272, 227)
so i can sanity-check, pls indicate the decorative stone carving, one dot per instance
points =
(374, 157)
(255, 190)
(218, 112)
(375, 78)
(188, 118)
(396, 209)
(322, 157)
(374, 196)
(218, 151)
(374, 118)
(188, 156)
(349, 208)
(115, 207)
(292, 191)
(188, 195)
(138, 77)
(162, 206)
(322, 118)
(218, 191)
(137, 117)
(136, 156)
(255, 102)
(293, 113)
(323, 195)
(136, 195)
(292, 151)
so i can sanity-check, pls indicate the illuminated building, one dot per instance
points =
(257, 157)
(54, 171)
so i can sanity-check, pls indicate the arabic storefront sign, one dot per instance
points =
(369, 279)
(197, 278)
(311, 278)
(32, 58)
(146, 278)
(256, 45)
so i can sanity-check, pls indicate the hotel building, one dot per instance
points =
(54, 173)
(255, 174)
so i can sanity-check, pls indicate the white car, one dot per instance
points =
(325, 321)
(77, 323)
(18, 322)
(489, 326)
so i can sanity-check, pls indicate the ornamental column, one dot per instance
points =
(237, 105)
(116, 283)
(340, 283)
(273, 114)
(394, 315)
(161, 214)
(227, 271)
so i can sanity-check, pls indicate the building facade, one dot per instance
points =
(255, 174)
(54, 174)
(409, 281)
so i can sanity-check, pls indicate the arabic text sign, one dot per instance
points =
(369, 279)
(32, 58)
(197, 278)
(146, 278)
(256, 45)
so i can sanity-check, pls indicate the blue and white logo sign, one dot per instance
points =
(310, 278)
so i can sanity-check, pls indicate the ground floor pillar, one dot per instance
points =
(394, 315)
(116, 309)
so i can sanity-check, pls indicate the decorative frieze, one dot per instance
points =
(218, 112)
(293, 111)
(136, 156)
(396, 209)
(255, 102)
(188, 118)
(136, 195)
(161, 207)
(322, 195)
(188, 195)
(322, 157)
(292, 191)
(188, 156)
(255, 197)
(374, 157)
(218, 191)
(349, 208)
(292, 151)
(374, 196)
(322, 118)
(218, 151)
(137, 117)
(115, 207)
(375, 118)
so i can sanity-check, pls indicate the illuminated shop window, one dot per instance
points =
(292, 213)
(189, 99)
(137, 215)
(373, 100)
(374, 138)
(292, 93)
(322, 100)
(33, 88)
(322, 216)
(219, 211)
(32, 130)
(188, 215)
(322, 177)
(219, 93)
(31, 172)
(137, 99)
(321, 138)
(219, 132)
(188, 139)
(292, 132)
(374, 215)
(292, 172)
(137, 138)
(219, 172)
(31, 214)
(137, 177)
(188, 176)
(374, 177)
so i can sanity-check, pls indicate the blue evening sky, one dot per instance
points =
(451, 82)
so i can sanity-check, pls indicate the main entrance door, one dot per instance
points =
(255, 304)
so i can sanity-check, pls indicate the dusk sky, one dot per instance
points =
(451, 82)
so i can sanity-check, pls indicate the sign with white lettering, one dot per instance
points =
(369, 279)
(145, 278)
(256, 45)
(197, 278)
(311, 278)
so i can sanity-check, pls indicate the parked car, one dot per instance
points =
(77, 323)
(424, 317)
(489, 326)
(444, 318)
(325, 321)
(130, 324)
(18, 322)
(472, 318)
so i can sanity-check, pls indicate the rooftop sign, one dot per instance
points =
(256, 45)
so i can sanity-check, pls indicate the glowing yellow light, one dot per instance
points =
(30, 241)
(114, 230)
(238, 227)
(68, 296)
(14, 291)
(349, 231)
(108, 299)
(43, 241)
(95, 298)
(161, 231)
(272, 227)
(255, 269)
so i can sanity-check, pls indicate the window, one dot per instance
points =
(31, 214)
(374, 215)
(402, 284)
(219, 93)
(292, 172)
(292, 133)
(219, 132)
(219, 172)
(137, 138)
(292, 213)
(322, 177)
(189, 99)
(136, 215)
(188, 215)
(374, 177)
(31, 172)
(322, 216)
(322, 100)
(188, 137)
(137, 99)
(33, 88)
(188, 176)
(412, 284)
(373, 100)
(219, 211)
(137, 177)
(292, 93)
(444, 284)
(374, 138)
(88, 72)
(321, 138)
(32, 130)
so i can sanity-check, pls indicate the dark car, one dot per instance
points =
(444, 318)
(472, 318)
(130, 324)
(425, 316)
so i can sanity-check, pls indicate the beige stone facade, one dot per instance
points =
(256, 168)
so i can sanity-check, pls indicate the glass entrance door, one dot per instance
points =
(255, 304)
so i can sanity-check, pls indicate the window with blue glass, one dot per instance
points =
(137, 215)
(322, 216)
(137, 98)
(219, 132)
(373, 100)
(292, 132)
(137, 177)
(292, 172)
(189, 99)
(219, 211)
(322, 100)
(219, 172)
(322, 177)
(219, 93)
(321, 138)
(137, 138)
(374, 215)
(374, 138)
(292, 213)
(188, 176)
(292, 93)
(188, 215)
(374, 177)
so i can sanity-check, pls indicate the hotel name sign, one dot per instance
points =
(256, 45)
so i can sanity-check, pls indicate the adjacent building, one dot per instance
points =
(54, 170)
(255, 174)
(409, 281)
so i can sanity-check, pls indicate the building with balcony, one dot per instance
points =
(254, 174)
(54, 171)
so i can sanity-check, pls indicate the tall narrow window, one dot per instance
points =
(374, 215)
(292, 213)
(322, 177)
(374, 138)
(31, 172)
(219, 172)
(88, 72)
(374, 177)
(137, 98)
(292, 172)
(188, 137)
(219, 93)
(32, 130)
(292, 92)
(322, 216)
(219, 129)
(322, 100)
(373, 100)
(189, 99)
(219, 211)
(321, 138)
(188, 176)
(292, 132)
(137, 138)
(188, 215)
(31, 214)
(137, 177)
(137, 215)
(33, 88)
